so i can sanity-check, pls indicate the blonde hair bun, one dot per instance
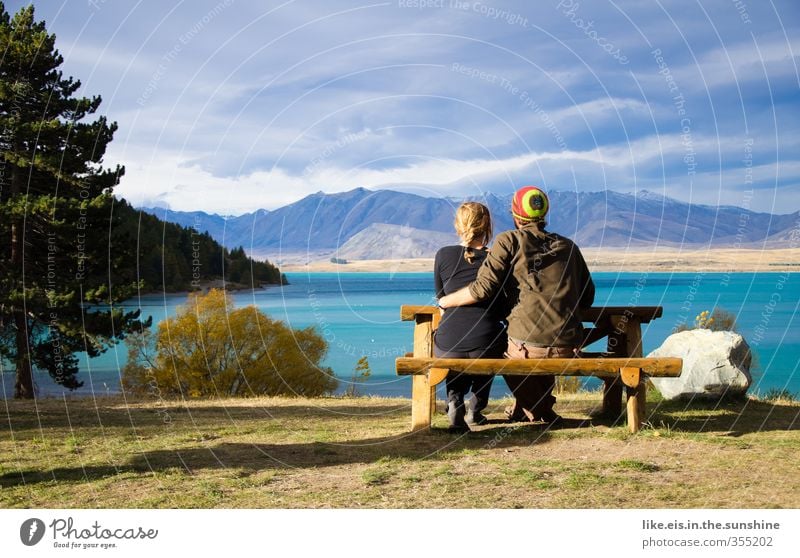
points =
(473, 222)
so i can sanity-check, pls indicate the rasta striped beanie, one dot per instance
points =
(530, 204)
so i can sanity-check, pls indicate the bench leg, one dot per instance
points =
(612, 398)
(636, 389)
(423, 391)
(624, 340)
(636, 406)
(423, 397)
(612, 387)
(420, 402)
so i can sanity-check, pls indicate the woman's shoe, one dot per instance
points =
(456, 414)
(474, 417)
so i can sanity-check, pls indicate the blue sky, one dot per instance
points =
(228, 106)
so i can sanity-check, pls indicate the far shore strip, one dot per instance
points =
(716, 260)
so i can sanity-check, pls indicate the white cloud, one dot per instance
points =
(738, 64)
(219, 130)
(176, 181)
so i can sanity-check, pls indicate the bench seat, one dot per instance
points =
(599, 367)
(631, 371)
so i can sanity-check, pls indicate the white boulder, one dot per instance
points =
(715, 364)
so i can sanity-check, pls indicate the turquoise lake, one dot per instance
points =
(359, 314)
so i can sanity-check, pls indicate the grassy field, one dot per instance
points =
(357, 452)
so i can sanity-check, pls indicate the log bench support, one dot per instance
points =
(628, 371)
(637, 396)
(625, 367)
(423, 387)
(624, 339)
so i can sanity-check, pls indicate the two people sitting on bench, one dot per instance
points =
(550, 281)
(475, 331)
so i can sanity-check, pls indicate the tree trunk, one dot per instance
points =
(23, 385)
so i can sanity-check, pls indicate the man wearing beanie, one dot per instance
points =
(552, 282)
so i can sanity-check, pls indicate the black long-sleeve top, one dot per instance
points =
(466, 328)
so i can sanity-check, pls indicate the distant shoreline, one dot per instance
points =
(669, 260)
(207, 284)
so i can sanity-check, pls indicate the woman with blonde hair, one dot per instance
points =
(475, 331)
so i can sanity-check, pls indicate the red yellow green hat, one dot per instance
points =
(530, 204)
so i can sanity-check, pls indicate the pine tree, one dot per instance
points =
(63, 266)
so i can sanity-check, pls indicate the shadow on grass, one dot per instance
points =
(435, 444)
(732, 416)
(248, 459)
(52, 413)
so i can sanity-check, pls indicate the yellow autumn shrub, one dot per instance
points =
(211, 348)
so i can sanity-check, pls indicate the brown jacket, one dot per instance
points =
(550, 276)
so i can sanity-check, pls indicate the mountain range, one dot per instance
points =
(384, 224)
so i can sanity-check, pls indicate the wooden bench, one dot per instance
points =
(622, 365)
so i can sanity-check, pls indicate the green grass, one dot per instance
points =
(585, 480)
(377, 476)
(636, 465)
(775, 394)
(358, 452)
